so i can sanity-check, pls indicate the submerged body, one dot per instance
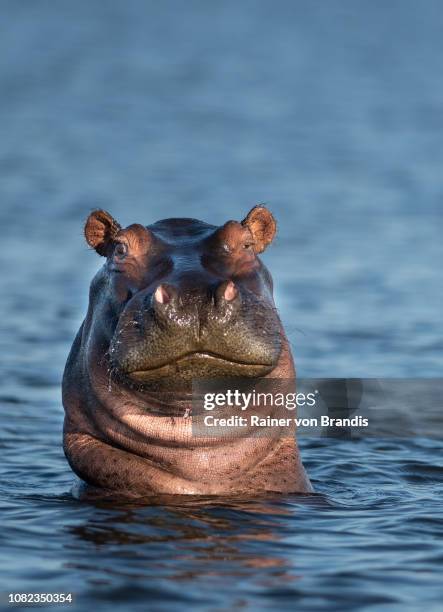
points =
(175, 301)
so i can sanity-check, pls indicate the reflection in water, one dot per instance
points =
(209, 537)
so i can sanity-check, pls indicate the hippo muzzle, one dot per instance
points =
(175, 333)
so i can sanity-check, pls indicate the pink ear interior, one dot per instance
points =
(262, 226)
(100, 230)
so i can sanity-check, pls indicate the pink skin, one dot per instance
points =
(130, 440)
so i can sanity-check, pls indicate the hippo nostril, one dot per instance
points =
(227, 292)
(230, 292)
(164, 295)
(161, 295)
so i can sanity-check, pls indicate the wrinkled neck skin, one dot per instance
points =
(141, 443)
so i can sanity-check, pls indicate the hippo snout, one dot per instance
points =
(194, 306)
(217, 330)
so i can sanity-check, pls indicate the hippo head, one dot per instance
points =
(182, 299)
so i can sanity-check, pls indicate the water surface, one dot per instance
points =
(331, 113)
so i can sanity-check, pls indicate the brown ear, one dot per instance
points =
(262, 226)
(100, 230)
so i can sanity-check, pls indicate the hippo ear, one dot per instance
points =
(100, 230)
(262, 226)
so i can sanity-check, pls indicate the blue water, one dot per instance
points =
(331, 112)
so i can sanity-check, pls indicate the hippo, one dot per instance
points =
(174, 301)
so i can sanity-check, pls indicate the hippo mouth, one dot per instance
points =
(201, 363)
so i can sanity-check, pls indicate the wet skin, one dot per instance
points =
(175, 301)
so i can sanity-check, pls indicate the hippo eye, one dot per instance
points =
(121, 250)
